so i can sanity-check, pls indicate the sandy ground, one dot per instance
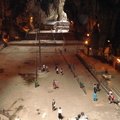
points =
(20, 98)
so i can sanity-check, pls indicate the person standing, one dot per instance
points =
(112, 99)
(61, 71)
(5, 38)
(56, 66)
(53, 105)
(57, 70)
(98, 86)
(83, 116)
(78, 117)
(95, 88)
(60, 116)
(95, 96)
(46, 68)
(109, 96)
(110, 93)
(43, 68)
(55, 84)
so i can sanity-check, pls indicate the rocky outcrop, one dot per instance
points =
(46, 11)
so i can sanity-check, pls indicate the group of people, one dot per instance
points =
(59, 70)
(44, 68)
(59, 110)
(81, 116)
(60, 116)
(111, 97)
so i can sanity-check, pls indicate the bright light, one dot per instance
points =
(31, 18)
(88, 34)
(90, 48)
(118, 60)
(108, 40)
(71, 22)
(86, 42)
(5, 40)
(98, 25)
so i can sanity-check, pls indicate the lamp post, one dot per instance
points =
(118, 60)
(87, 46)
(36, 65)
(39, 44)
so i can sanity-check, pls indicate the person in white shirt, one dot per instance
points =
(83, 116)
(60, 116)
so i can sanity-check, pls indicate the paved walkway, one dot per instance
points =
(20, 98)
(97, 68)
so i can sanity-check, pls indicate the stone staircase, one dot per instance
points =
(45, 36)
(58, 30)
(51, 36)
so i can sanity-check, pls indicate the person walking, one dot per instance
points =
(78, 117)
(43, 67)
(95, 88)
(56, 66)
(110, 96)
(61, 71)
(95, 96)
(5, 38)
(53, 105)
(83, 116)
(57, 70)
(55, 84)
(110, 93)
(98, 87)
(60, 116)
(46, 68)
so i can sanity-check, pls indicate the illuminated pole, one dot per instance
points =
(87, 46)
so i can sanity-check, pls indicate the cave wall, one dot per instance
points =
(100, 18)
(46, 11)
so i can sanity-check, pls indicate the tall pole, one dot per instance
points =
(36, 59)
(36, 65)
(39, 42)
(39, 54)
